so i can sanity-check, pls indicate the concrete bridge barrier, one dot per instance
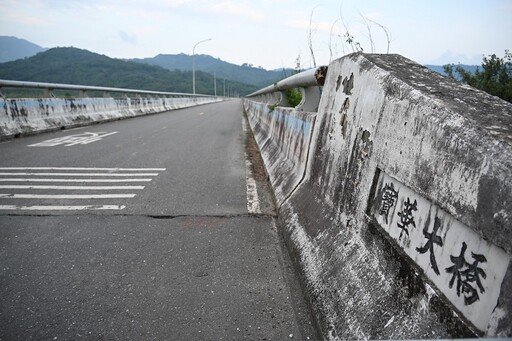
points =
(283, 135)
(402, 218)
(20, 116)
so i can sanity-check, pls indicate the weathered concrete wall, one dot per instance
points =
(402, 224)
(283, 136)
(24, 116)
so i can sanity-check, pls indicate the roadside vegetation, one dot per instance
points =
(294, 96)
(495, 77)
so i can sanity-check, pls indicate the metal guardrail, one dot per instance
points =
(49, 87)
(305, 79)
(308, 82)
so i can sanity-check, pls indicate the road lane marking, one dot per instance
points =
(66, 196)
(79, 128)
(80, 174)
(87, 168)
(62, 208)
(86, 188)
(253, 201)
(65, 184)
(73, 180)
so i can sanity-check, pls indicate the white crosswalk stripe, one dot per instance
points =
(81, 188)
(66, 196)
(74, 180)
(79, 174)
(61, 208)
(49, 189)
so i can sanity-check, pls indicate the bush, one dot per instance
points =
(294, 97)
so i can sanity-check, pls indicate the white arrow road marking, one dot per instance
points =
(72, 140)
(62, 208)
(66, 196)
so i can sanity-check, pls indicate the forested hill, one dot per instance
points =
(75, 66)
(244, 73)
(12, 48)
(439, 69)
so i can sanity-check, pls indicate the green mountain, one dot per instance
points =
(244, 73)
(440, 69)
(75, 66)
(12, 48)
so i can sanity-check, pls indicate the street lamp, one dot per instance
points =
(194, 64)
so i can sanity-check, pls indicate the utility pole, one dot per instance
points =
(215, 82)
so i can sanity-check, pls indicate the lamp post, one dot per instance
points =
(194, 64)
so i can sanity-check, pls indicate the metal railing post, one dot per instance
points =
(48, 92)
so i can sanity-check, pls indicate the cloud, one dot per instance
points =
(236, 9)
(30, 20)
(315, 26)
(372, 16)
(127, 38)
(159, 4)
(449, 57)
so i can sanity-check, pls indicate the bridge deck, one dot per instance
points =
(140, 229)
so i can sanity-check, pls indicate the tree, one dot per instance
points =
(495, 77)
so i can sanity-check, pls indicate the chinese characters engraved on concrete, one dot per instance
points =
(432, 238)
(389, 196)
(465, 273)
(406, 216)
(467, 269)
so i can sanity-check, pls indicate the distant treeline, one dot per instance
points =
(81, 67)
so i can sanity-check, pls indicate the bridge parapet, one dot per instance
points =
(402, 218)
(19, 116)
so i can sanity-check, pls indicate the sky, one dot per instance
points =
(267, 33)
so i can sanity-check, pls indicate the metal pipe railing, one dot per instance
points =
(84, 88)
(305, 79)
(307, 82)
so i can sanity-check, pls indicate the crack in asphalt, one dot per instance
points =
(241, 215)
(152, 216)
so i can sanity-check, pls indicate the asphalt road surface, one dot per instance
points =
(140, 230)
